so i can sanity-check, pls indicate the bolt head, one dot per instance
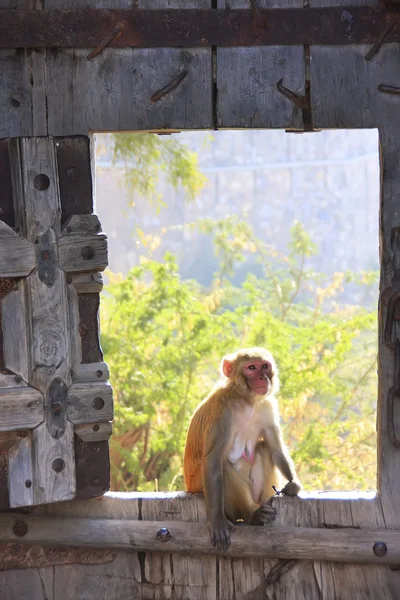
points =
(163, 535)
(20, 528)
(380, 548)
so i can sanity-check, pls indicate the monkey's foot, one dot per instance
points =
(220, 532)
(263, 515)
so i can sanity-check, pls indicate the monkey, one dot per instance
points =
(234, 447)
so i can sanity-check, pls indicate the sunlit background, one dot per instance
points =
(238, 238)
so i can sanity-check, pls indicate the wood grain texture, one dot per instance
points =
(90, 403)
(6, 193)
(246, 80)
(75, 338)
(74, 175)
(20, 473)
(83, 253)
(91, 372)
(38, 215)
(127, 79)
(20, 408)
(17, 256)
(87, 283)
(81, 224)
(16, 326)
(345, 545)
(21, 93)
(94, 432)
(51, 484)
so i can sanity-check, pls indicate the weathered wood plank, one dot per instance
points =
(184, 577)
(72, 79)
(344, 545)
(38, 214)
(6, 194)
(246, 80)
(20, 473)
(17, 256)
(89, 327)
(91, 372)
(83, 253)
(75, 176)
(20, 408)
(87, 283)
(90, 402)
(21, 94)
(54, 470)
(94, 432)
(92, 467)
(15, 326)
(7, 381)
(76, 344)
(81, 224)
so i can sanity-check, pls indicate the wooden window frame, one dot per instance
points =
(346, 90)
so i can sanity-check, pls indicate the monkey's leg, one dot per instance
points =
(270, 474)
(239, 501)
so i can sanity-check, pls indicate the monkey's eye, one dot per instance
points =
(266, 366)
(251, 367)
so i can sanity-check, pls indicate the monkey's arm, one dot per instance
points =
(216, 444)
(281, 458)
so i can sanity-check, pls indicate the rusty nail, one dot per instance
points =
(41, 182)
(96, 427)
(115, 35)
(379, 548)
(20, 528)
(56, 407)
(170, 87)
(72, 173)
(22, 434)
(163, 535)
(300, 101)
(388, 89)
(58, 465)
(87, 252)
(98, 403)
(28, 483)
(373, 51)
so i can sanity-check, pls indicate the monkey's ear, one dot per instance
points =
(227, 368)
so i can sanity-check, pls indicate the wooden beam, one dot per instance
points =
(17, 257)
(345, 545)
(20, 408)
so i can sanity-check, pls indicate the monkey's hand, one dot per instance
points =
(263, 515)
(220, 533)
(292, 488)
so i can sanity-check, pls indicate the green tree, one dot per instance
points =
(163, 338)
(148, 158)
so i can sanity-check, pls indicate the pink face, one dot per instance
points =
(258, 375)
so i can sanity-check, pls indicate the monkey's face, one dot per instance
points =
(258, 375)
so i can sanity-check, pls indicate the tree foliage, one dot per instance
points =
(163, 338)
(148, 158)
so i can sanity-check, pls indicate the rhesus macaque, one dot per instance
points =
(234, 446)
